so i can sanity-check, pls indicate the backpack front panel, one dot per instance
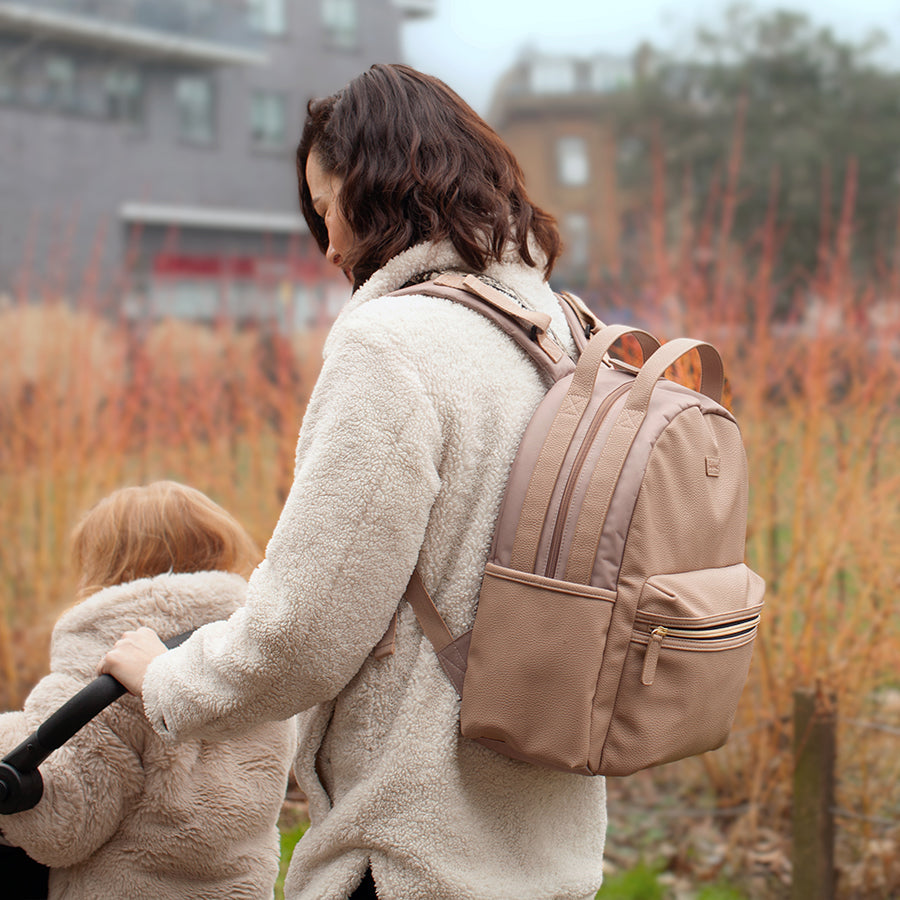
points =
(687, 608)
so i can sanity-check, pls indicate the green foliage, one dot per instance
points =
(797, 109)
(720, 892)
(289, 838)
(639, 883)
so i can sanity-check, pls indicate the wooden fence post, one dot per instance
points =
(814, 761)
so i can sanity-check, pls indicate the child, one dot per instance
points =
(124, 812)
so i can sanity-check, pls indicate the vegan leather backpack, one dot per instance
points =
(616, 617)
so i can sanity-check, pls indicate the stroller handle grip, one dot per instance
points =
(21, 786)
(69, 719)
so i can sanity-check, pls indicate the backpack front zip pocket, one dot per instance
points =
(686, 637)
(686, 663)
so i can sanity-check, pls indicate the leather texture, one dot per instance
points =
(616, 619)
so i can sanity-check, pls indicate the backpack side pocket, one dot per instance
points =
(535, 653)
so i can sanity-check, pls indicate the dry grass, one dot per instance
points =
(818, 397)
(87, 405)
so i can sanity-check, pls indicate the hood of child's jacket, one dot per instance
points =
(170, 604)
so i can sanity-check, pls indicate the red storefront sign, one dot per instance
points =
(244, 268)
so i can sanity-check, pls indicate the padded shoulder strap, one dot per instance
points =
(582, 322)
(528, 327)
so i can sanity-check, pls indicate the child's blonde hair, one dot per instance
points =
(139, 532)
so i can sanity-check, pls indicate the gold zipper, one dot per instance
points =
(651, 657)
(712, 633)
(655, 640)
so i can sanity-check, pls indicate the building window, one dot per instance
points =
(200, 15)
(267, 16)
(59, 83)
(124, 91)
(194, 101)
(577, 229)
(9, 87)
(629, 150)
(267, 118)
(630, 153)
(608, 75)
(340, 19)
(553, 76)
(194, 299)
(572, 164)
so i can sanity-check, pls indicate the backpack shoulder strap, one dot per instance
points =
(451, 653)
(529, 328)
(582, 321)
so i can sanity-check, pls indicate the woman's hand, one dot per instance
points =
(127, 662)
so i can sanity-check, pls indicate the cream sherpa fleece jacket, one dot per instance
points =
(401, 461)
(126, 814)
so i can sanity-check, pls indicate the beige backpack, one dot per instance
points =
(616, 617)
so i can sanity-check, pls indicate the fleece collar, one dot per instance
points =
(526, 282)
(170, 604)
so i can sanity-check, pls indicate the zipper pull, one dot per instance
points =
(652, 654)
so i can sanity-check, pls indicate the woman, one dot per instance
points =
(401, 463)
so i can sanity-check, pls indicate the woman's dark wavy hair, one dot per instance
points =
(418, 164)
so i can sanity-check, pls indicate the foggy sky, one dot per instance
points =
(470, 43)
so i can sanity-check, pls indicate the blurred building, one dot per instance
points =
(559, 116)
(147, 147)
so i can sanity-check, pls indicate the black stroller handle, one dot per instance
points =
(21, 786)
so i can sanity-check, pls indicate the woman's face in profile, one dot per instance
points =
(324, 188)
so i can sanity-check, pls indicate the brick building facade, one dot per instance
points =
(147, 147)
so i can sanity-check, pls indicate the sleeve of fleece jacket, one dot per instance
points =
(336, 566)
(89, 782)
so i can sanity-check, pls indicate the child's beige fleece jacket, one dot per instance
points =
(128, 814)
